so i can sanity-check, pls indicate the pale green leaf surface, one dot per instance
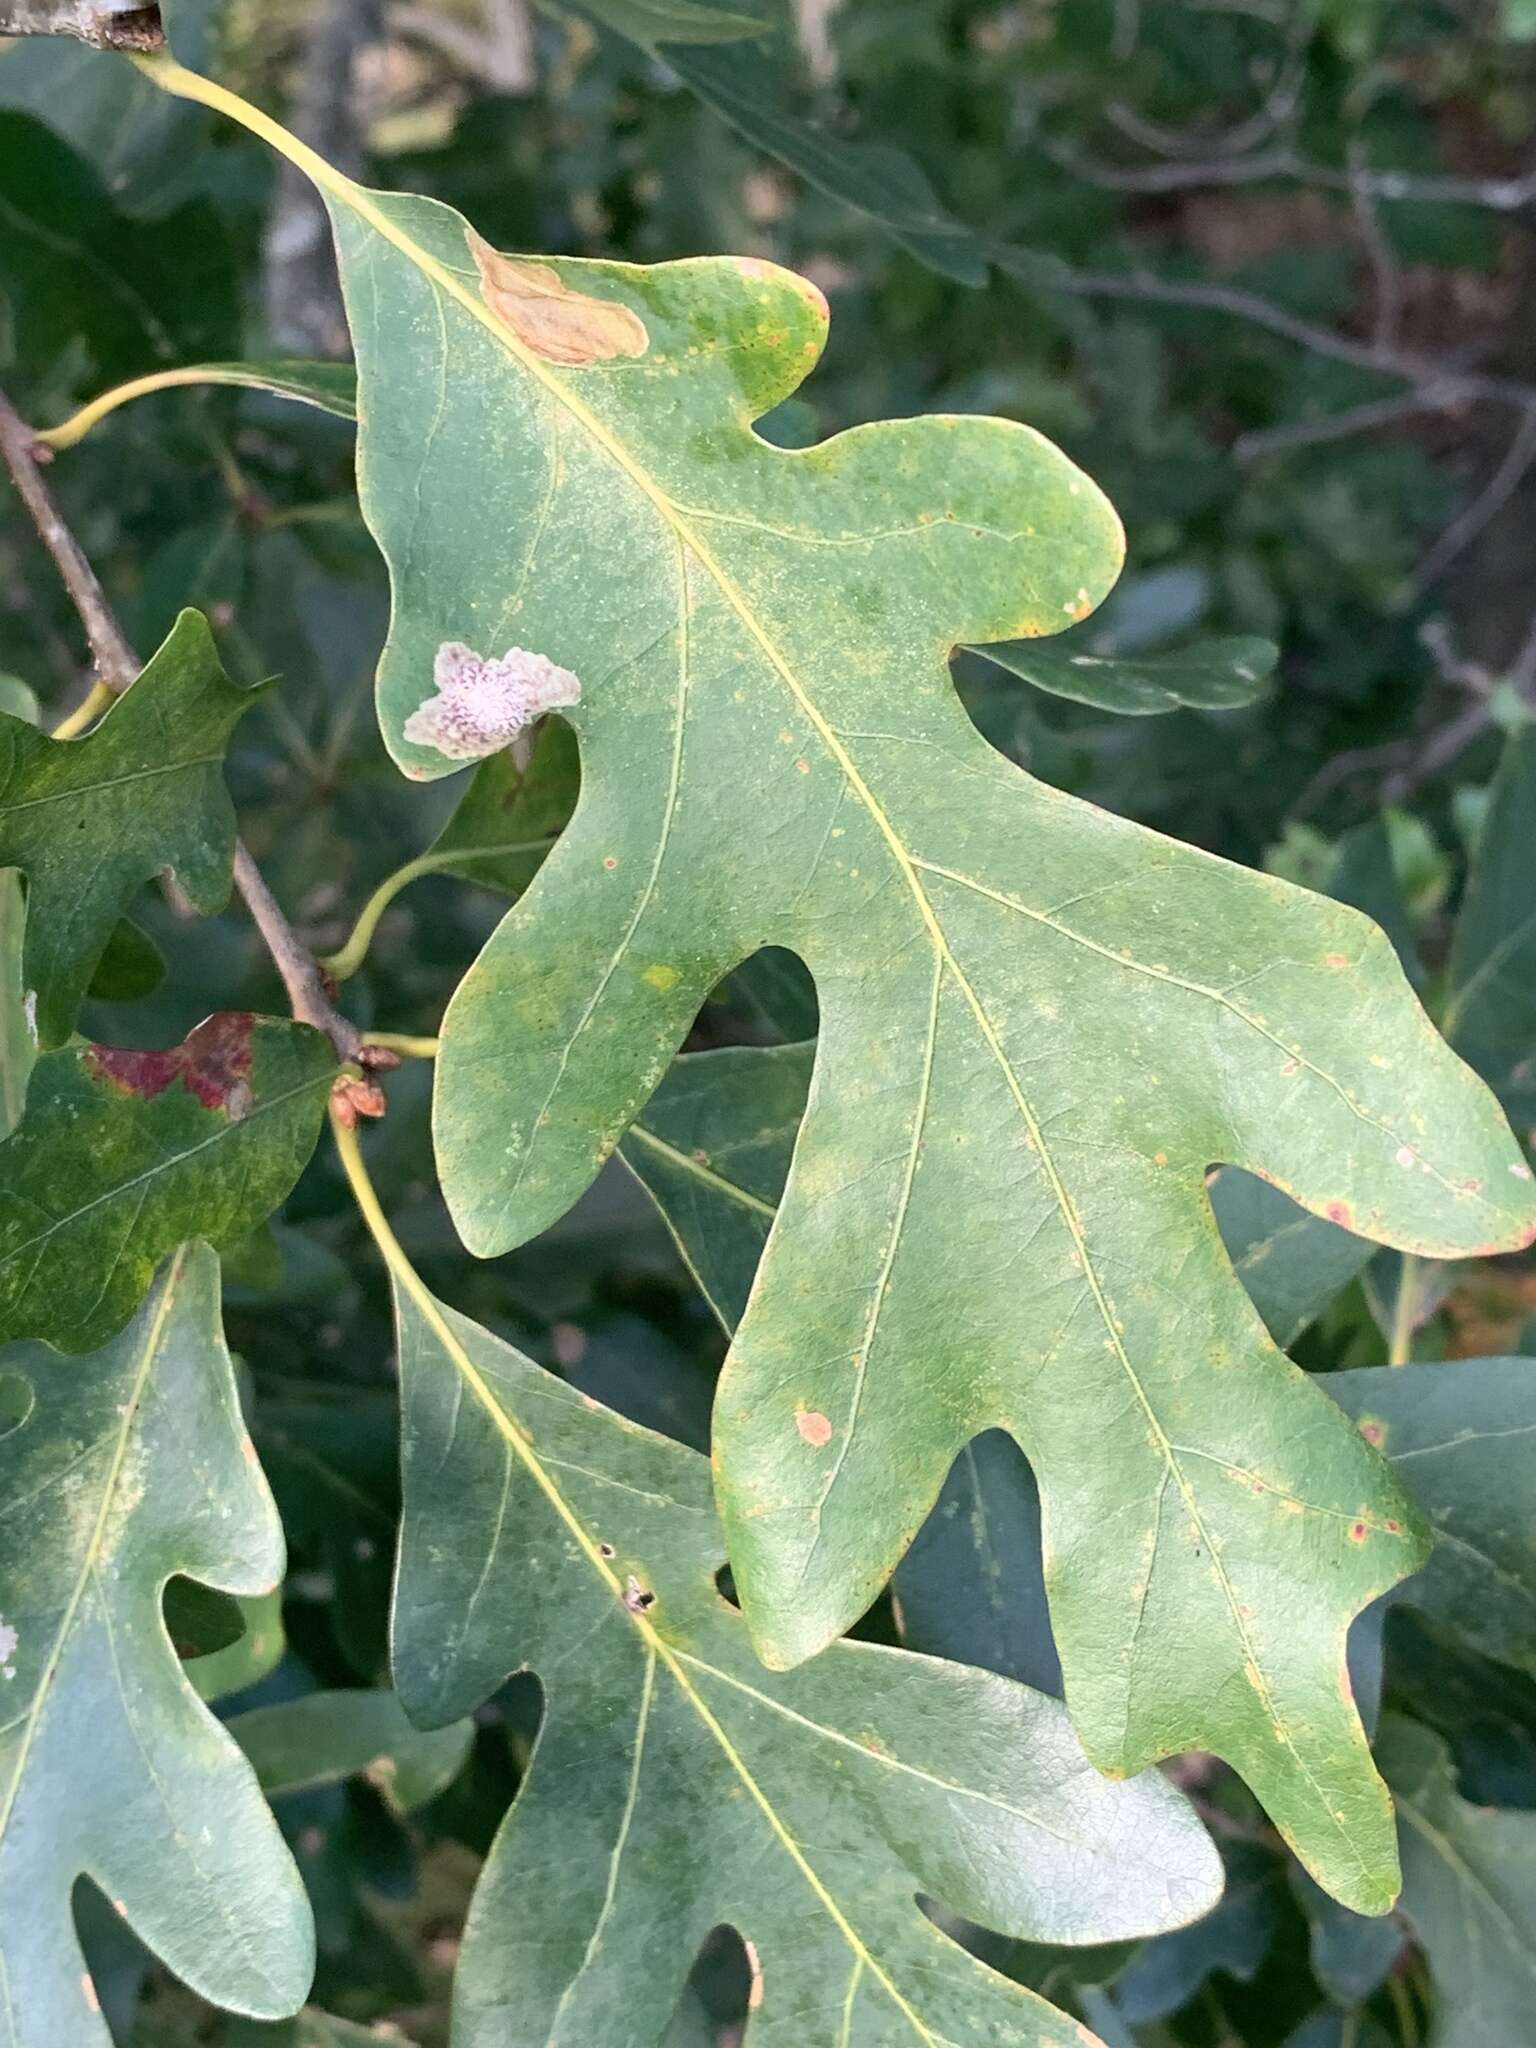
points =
(1469, 1894)
(676, 1785)
(129, 1467)
(89, 821)
(1212, 675)
(712, 1148)
(1040, 1024)
(122, 1156)
(1462, 1438)
(325, 1738)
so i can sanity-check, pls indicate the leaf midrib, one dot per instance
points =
(79, 790)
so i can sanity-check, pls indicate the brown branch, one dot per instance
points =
(124, 25)
(1450, 384)
(23, 455)
(1495, 195)
(308, 997)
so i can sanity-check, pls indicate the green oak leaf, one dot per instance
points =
(1460, 1437)
(130, 1467)
(1212, 675)
(676, 1785)
(1040, 1024)
(89, 821)
(324, 1738)
(122, 1155)
(1469, 1893)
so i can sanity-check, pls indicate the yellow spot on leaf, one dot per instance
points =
(661, 976)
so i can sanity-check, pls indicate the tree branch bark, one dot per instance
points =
(105, 24)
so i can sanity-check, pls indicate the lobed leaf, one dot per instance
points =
(128, 1467)
(676, 1785)
(122, 1156)
(89, 821)
(1040, 1024)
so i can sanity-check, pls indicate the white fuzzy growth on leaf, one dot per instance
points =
(482, 704)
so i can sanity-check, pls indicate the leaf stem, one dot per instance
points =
(403, 1042)
(1404, 1312)
(80, 423)
(86, 712)
(344, 963)
(308, 997)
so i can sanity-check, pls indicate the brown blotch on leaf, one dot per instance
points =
(814, 1427)
(548, 316)
(1339, 1212)
(1374, 1431)
(211, 1063)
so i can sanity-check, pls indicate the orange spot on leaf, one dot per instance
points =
(814, 1427)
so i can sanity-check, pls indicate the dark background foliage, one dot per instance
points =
(1266, 268)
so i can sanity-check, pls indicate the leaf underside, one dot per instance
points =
(676, 1785)
(1040, 1024)
(131, 1466)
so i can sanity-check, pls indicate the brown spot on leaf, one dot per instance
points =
(210, 1063)
(1357, 1532)
(549, 316)
(814, 1427)
(1373, 1430)
(1394, 1528)
(1340, 1212)
(1335, 961)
